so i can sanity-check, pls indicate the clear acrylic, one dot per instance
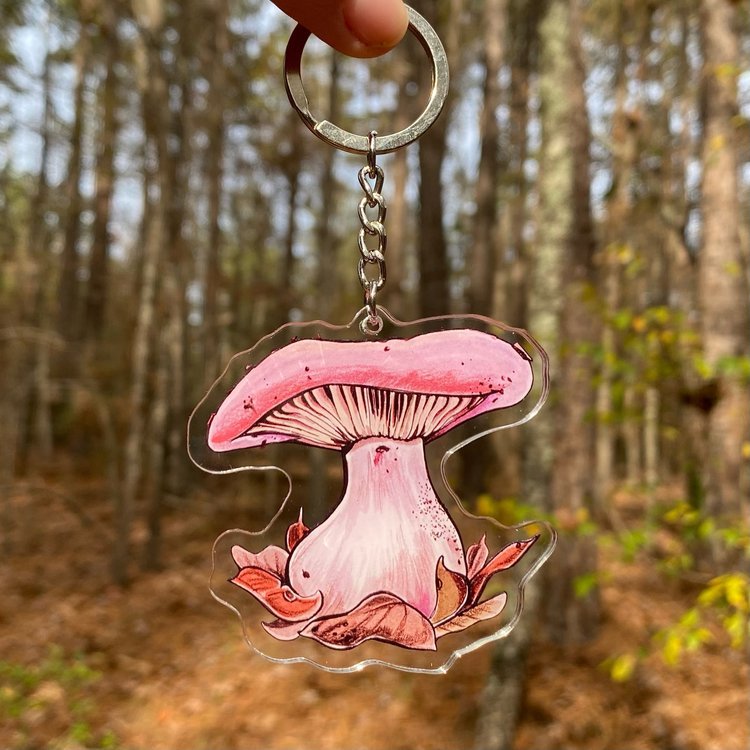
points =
(369, 556)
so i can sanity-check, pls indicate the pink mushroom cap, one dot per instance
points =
(333, 393)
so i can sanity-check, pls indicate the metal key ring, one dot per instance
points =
(359, 144)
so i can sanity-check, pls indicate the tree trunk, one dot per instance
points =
(133, 453)
(501, 701)
(523, 48)
(722, 287)
(624, 154)
(434, 292)
(68, 285)
(214, 158)
(287, 266)
(651, 457)
(481, 463)
(42, 439)
(326, 282)
(572, 617)
(485, 248)
(96, 297)
(502, 696)
(399, 215)
(681, 261)
(176, 278)
(154, 94)
(11, 375)
(432, 248)
(632, 434)
(157, 432)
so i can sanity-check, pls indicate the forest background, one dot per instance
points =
(162, 207)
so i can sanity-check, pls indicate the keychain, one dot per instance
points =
(395, 572)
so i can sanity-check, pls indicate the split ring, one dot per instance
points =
(360, 144)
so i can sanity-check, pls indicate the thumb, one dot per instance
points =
(359, 28)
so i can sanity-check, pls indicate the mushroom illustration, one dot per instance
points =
(388, 563)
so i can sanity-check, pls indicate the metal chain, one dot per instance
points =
(371, 179)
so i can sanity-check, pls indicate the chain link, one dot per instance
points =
(371, 179)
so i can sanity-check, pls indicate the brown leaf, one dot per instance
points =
(476, 557)
(452, 589)
(296, 533)
(506, 558)
(284, 631)
(276, 597)
(485, 610)
(383, 617)
(272, 559)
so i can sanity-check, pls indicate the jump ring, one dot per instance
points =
(372, 153)
(371, 190)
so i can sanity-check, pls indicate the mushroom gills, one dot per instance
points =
(334, 416)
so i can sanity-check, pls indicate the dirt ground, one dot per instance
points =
(175, 673)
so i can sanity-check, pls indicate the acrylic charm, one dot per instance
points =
(368, 556)
(387, 570)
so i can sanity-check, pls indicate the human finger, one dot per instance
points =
(359, 28)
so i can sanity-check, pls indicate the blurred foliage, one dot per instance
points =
(666, 538)
(58, 690)
(721, 609)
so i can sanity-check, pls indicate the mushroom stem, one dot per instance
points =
(387, 534)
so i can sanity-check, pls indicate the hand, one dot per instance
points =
(359, 28)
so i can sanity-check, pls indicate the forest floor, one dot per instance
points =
(161, 665)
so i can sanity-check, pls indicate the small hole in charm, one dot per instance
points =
(371, 325)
